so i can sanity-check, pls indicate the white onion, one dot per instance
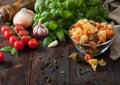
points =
(24, 17)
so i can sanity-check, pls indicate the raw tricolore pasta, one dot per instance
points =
(91, 33)
(87, 31)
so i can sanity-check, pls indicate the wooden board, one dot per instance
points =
(50, 66)
(83, 74)
(15, 70)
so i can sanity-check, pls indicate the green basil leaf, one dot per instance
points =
(6, 49)
(60, 35)
(52, 5)
(47, 41)
(10, 50)
(52, 35)
(93, 12)
(84, 8)
(66, 32)
(94, 2)
(67, 13)
(52, 25)
(78, 3)
(14, 52)
(70, 4)
(39, 6)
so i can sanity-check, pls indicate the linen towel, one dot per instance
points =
(113, 9)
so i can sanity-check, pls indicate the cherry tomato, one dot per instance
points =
(33, 43)
(1, 56)
(19, 45)
(18, 27)
(7, 34)
(12, 39)
(23, 32)
(3, 28)
(25, 39)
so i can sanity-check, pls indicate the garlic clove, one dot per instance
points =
(53, 44)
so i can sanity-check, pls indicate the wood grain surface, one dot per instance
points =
(51, 66)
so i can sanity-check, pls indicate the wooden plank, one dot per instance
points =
(82, 74)
(50, 66)
(15, 70)
(15, 75)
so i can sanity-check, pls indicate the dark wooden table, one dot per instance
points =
(51, 66)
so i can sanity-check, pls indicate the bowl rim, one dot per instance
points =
(94, 44)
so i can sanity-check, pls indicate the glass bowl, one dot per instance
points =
(92, 49)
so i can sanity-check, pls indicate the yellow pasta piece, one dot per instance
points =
(101, 62)
(84, 21)
(102, 33)
(84, 39)
(78, 31)
(94, 67)
(110, 27)
(93, 63)
(75, 56)
(93, 29)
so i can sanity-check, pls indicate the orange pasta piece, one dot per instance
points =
(101, 39)
(93, 43)
(109, 34)
(98, 25)
(103, 27)
(87, 57)
(87, 32)
(76, 38)
(78, 25)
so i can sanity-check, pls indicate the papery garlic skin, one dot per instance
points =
(40, 31)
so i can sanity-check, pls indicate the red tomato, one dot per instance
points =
(18, 27)
(25, 39)
(19, 45)
(1, 56)
(7, 34)
(23, 32)
(3, 28)
(33, 43)
(12, 39)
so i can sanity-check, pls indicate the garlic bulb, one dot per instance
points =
(40, 31)
(24, 17)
